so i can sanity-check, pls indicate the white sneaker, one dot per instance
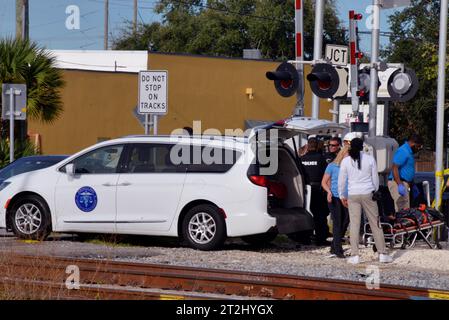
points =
(385, 258)
(353, 260)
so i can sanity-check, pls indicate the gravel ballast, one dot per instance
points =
(416, 267)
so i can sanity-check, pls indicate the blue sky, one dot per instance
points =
(48, 17)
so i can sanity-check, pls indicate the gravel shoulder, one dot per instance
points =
(415, 267)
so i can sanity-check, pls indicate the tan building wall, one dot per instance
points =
(213, 90)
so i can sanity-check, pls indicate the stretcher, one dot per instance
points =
(406, 237)
(398, 235)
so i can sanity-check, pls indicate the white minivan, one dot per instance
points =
(202, 189)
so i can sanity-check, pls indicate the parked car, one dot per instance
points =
(139, 185)
(27, 164)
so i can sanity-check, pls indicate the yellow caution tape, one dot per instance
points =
(440, 295)
(440, 174)
(169, 297)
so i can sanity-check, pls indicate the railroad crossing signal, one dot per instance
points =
(328, 81)
(395, 83)
(403, 85)
(286, 79)
(364, 84)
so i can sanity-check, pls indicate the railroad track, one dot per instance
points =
(99, 276)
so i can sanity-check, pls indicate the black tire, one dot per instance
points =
(216, 225)
(261, 238)
(26, 208)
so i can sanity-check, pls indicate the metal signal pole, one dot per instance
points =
(318, 49)
(375, 39)
(106, 24)
(135, 17)
(299, 27)
(440, 102)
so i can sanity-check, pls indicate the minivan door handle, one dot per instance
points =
(124, 184)
(108, 184)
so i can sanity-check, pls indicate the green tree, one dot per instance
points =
(226, 27)
(23, 62)
(415, 43)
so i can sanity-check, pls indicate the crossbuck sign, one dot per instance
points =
(153, 93)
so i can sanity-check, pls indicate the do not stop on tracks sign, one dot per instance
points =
(153, 89)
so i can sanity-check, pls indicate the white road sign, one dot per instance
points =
(388, 4)
(153, 92)
(337, 54)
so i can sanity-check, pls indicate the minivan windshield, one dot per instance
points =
(28, 164)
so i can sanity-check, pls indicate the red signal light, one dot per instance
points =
(361, 93)
(324, 85)
(286, 84)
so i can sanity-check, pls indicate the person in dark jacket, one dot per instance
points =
(314, 165)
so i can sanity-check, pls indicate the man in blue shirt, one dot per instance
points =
(403, 172)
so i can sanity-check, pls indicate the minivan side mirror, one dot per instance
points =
(70, 169)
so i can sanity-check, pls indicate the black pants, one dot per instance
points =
(340, 222)
(320, 212)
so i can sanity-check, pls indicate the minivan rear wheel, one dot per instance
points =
(204, 227)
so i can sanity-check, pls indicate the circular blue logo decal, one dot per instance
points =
(86, 199)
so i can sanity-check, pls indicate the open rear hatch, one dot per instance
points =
(290, 127)
(291, 213)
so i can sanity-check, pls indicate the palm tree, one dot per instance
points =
(23, 62)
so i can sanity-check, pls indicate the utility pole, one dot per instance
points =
(22, 19)
(440, 102)
(299, 26)
(375, 38)
(22, 32)
(106, 24)
(318, 49)
(135, 17)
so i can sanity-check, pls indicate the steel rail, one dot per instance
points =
(225, 282)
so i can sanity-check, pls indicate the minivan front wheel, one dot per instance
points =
(30, 218)
(204, 227)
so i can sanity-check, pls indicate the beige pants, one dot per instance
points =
(355, 204)
(400, 202)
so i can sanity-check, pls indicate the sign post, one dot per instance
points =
(299, 27)
(440, 103)
(153, 96)
(13, 109)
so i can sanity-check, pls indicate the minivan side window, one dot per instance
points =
(206, 159)
(100, 161)
(151, 158)
(171, 158)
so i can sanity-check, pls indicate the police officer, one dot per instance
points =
(314, 165)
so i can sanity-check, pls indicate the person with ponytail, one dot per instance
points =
(357, 181)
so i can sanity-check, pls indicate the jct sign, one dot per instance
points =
(153, 91)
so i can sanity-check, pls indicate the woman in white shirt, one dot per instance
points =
(358, 173)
